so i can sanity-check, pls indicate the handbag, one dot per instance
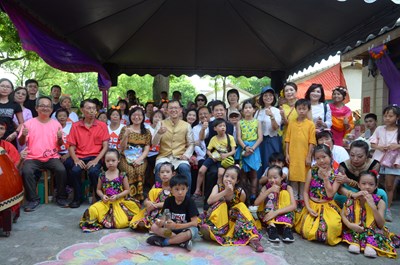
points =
(227, 162)
(389, 158)
(132, 153)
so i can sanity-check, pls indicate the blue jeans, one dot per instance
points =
(75, 172)
(183, 169)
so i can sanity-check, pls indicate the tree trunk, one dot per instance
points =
(223, 88)
(160, 83)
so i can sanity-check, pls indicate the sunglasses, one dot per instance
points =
(201, 99)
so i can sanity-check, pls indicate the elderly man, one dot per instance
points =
(42, 137)
(88, 142)
(176, 141)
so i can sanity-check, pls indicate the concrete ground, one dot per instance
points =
(38, 236)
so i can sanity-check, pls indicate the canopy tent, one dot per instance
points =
(227, 37)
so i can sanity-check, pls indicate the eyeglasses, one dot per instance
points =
(45, 106)
(201, 99)
(234, 116)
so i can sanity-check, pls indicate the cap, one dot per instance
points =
(267, 89)
(234, 112)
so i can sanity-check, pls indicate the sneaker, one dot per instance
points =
(205, 232)
(256, 245)
(32, 206)
(272, 234)
(388, 215)
(75, 204)
(62, 203)
(187, 244)
(287, 235)
(369, 252)
(155, 241)
(354, 249)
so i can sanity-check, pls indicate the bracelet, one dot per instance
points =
(244, 148)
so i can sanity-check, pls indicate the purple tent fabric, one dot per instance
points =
(51, 49)
(390, 74)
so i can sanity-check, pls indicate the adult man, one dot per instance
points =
(32, 86)
(42, 137)
(88, 142)
(175, 137)
(131, 98)
(55, 92)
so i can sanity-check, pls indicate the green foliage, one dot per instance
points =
(251, 84)
(183, 84)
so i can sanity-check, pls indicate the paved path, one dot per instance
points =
(39, 236)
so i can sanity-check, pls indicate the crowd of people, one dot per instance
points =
(273, 163)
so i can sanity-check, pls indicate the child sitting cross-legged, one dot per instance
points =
(178, 226)
(155, 201)
(364, 218)
(276, 205)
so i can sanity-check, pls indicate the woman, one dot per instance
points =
(200, 101)
(342, 119)
(321, 113)
(20, 95)
(350, 172)
(270, 120)
(233, 99)
(191, 117)
(66, 103)
(135, 146)
(287, 109)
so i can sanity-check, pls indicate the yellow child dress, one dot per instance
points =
(382, 240)
(156, 195)
(276, 201)
(327, 226)
(115, 214)
(230, 222)
(299, 135)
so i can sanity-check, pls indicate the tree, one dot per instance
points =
(250, 84)
(182, 83)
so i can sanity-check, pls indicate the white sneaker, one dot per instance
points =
(354, 249)
(369, 252)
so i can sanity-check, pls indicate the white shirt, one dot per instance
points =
(339, 154)
(265, 121)
(319, 112)
(200, 150)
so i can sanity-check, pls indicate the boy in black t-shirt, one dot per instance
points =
(178, 226)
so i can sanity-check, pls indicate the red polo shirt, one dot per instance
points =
(88, 141)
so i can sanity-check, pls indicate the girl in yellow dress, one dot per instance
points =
(364, 218)
(276, 205)
(228, 220)
(155, 201)
(113, 211)
(320, 218)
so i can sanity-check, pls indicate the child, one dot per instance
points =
(113, 211)
(370, 121)
(179, 226)
(300, 140)
(114, 128)
(155, 201)
(276, 205)
(320, 219)
(62, 117)
(364, 218)
(228, 220)
(276, 159)
(249, 135)
(222, 146)
(386, 142)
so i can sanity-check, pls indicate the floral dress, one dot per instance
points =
(327, 225)
(115, 214)
(136, 144)
(156, 195)
(230, 222)
(275, 201)
(382, 240)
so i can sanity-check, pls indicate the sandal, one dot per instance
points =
(196, 196)
(256, 245)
